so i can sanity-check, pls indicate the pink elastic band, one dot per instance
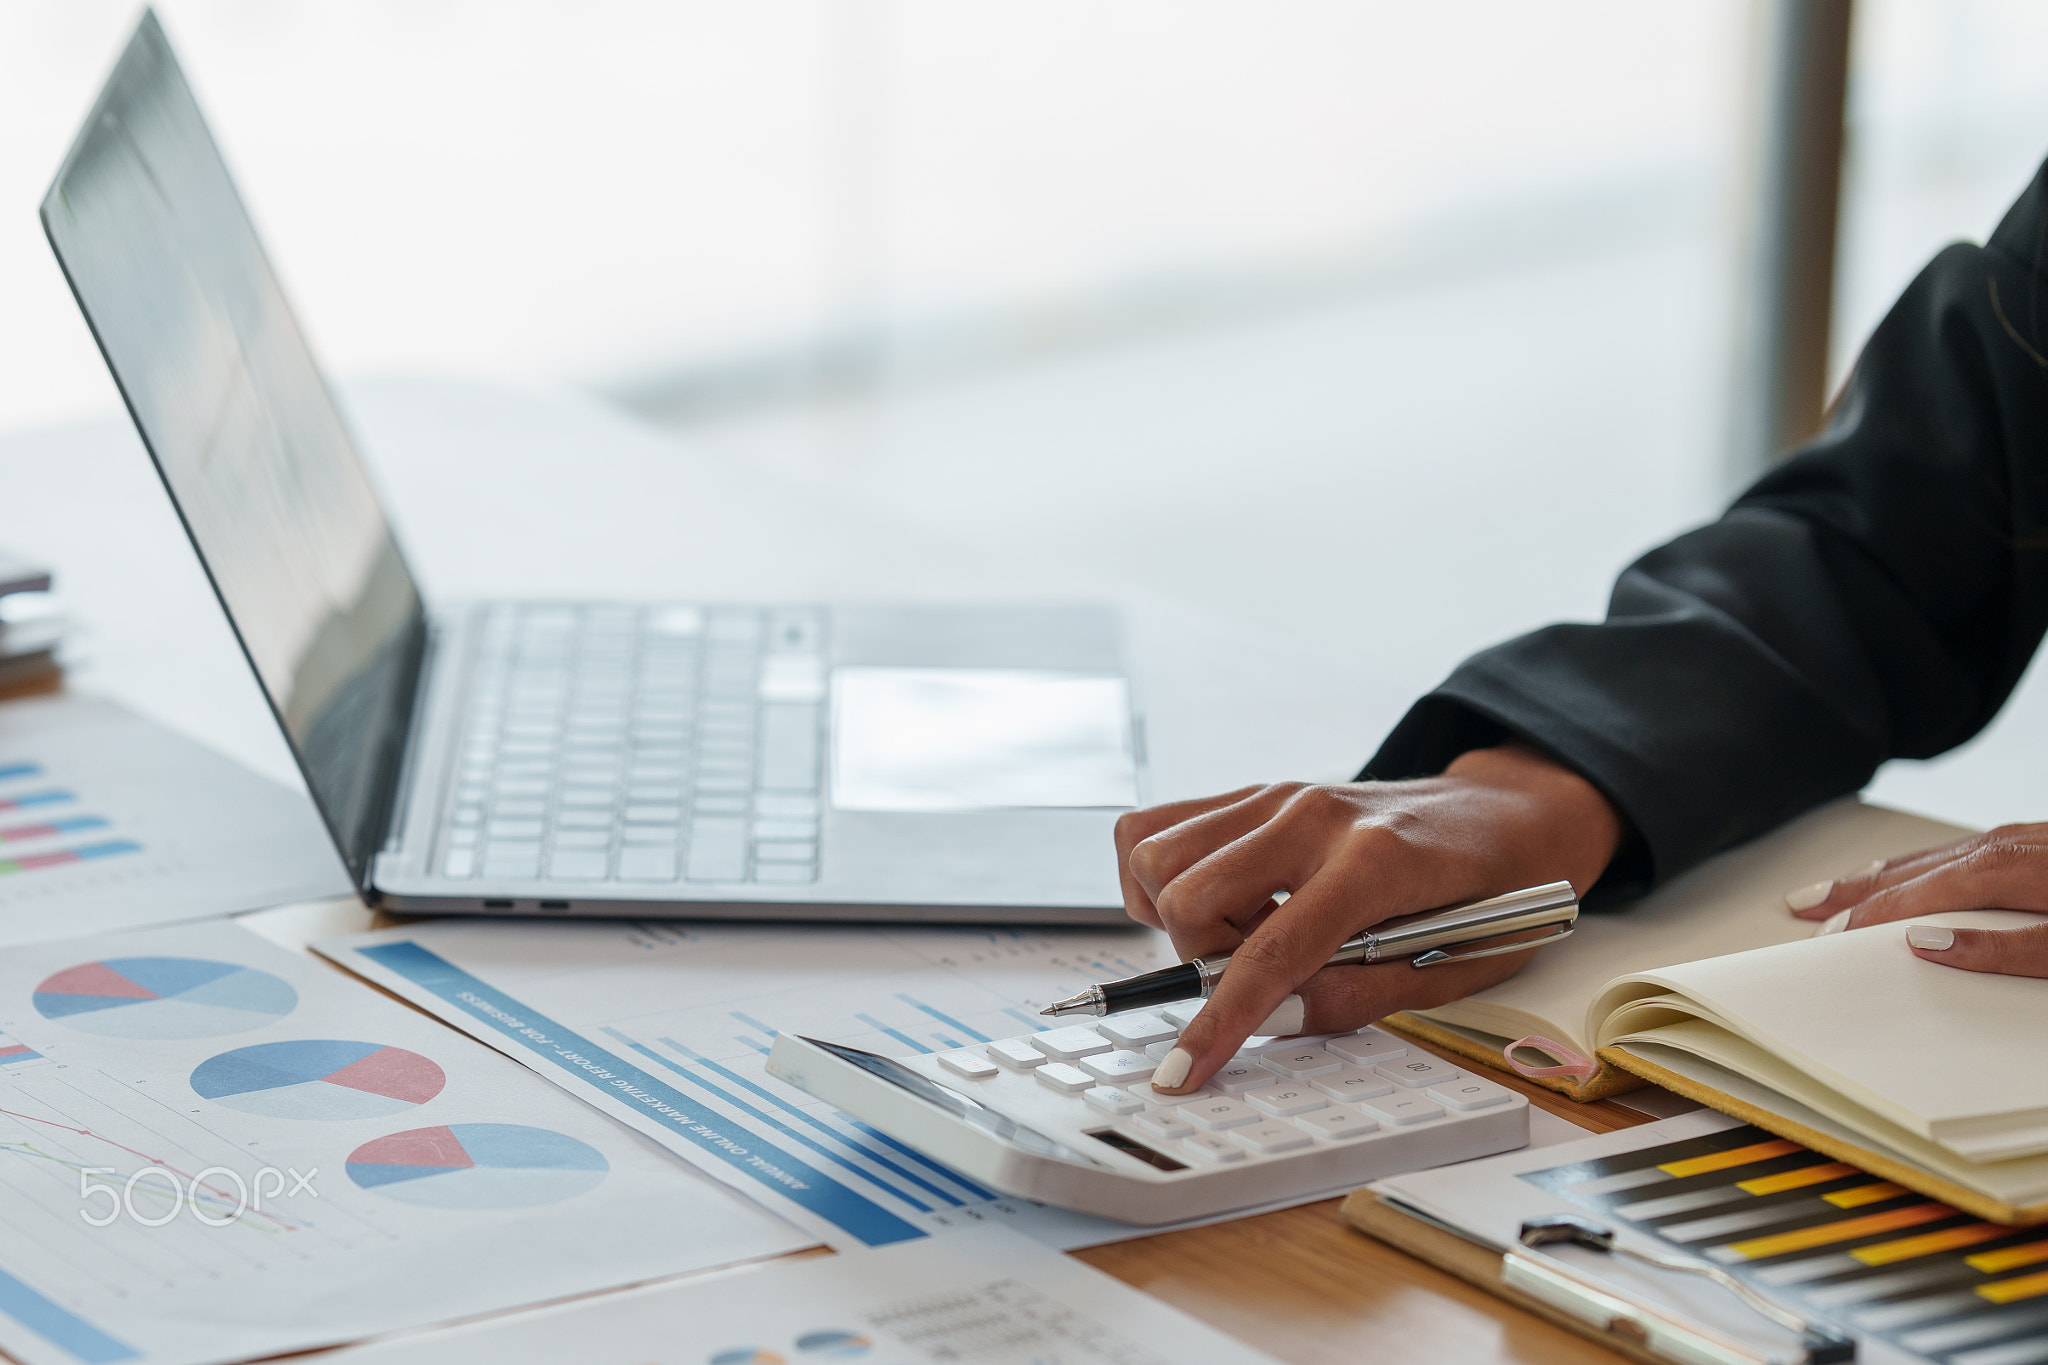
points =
(1571, 1063)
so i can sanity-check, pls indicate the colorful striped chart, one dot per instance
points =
(13, 1053)
(57, 825)
(1871, 1255)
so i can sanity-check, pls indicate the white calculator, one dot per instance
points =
(1069, 1117)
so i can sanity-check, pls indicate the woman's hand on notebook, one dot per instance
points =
(2005, 869)
(1280, 875)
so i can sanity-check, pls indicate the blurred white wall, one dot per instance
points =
(601, 194)
(1948, 120)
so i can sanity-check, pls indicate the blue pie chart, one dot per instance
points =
(477, 1166)
(163, 997)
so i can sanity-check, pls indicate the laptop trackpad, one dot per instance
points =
(940, 739)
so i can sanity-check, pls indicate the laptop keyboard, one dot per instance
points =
(640, 745)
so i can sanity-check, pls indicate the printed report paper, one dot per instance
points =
(985, 1297)
(109, 821)
(665, 1025)
(212, 1148)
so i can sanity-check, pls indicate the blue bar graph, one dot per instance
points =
(59, 1326)
(770, 1168)
(948, 1020)
(897, 1034)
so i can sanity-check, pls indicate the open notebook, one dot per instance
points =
(1844, 1042)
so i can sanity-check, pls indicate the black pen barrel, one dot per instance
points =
(1152, 989)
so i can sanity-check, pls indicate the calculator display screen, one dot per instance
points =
(966, 1110)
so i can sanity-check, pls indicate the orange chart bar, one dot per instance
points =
(1722, 1161)
(2008, 1258)
(2012, 1291)
(1795, 1180)
(1805, 1239)
(1928, 1243)
(1860, 1195)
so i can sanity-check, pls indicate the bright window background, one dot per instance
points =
(607, 194)
(1392, 329)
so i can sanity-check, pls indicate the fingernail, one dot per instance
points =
(1286, 1019)
(1932, 937)
(1876, 866)
(1806, 897)
(1835, 923)
(1173, 1070)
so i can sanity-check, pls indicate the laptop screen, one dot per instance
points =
(172, 279)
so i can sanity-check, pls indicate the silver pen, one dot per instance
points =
(1423, 939)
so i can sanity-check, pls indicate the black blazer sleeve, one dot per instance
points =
(1875, 596)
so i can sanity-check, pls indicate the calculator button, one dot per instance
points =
(1416, 1072)
(1368, 1047)
(1015, 1054)
(1111, 1100)
(1165, 1123)
(1259, 1044)
(1337, 1124)
(1182, 1013)
(972, 1065)
(1070, 1044)
(1067, 1044)
(1148, 1093)
(1157, 1051)
(1349, 1083)
(1120, 1065)
(1237, 1076)
(1469, 1094)
(1285, 1101)
(1068, 1080)
(1299, 1063)
(1136, 1030)
(1268, 1138)
(1397, 1109)
(1214, 1147)
(1221, 1112)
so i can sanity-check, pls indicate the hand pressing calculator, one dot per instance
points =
(1069, 1117)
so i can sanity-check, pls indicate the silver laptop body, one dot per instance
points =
(629, 759)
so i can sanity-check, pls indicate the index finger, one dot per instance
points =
(1290, 946)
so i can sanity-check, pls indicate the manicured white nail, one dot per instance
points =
(1835, 923)
(1876, 866)
(1932, 937)
(1286, 1019)
(1173, 1069)
(1806, 897)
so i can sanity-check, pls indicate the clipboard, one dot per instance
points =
(1570, 1298)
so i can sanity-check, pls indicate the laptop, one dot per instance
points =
(570, 758)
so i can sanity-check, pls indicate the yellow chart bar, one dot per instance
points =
(2008, 1258)
(1927, 1243)
(1795, 1180)
(1756, 1248)
(1721, 1161)
(2012, 1291)
(1864, 1194)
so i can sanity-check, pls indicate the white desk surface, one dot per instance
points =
(509, 494)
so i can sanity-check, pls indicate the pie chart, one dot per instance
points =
(319, 1078)
(163, 997)
(477, 1166)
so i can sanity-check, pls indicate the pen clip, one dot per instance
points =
(1437, 956)
(1661, 1331)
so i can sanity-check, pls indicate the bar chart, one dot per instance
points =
(1873, 1256)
